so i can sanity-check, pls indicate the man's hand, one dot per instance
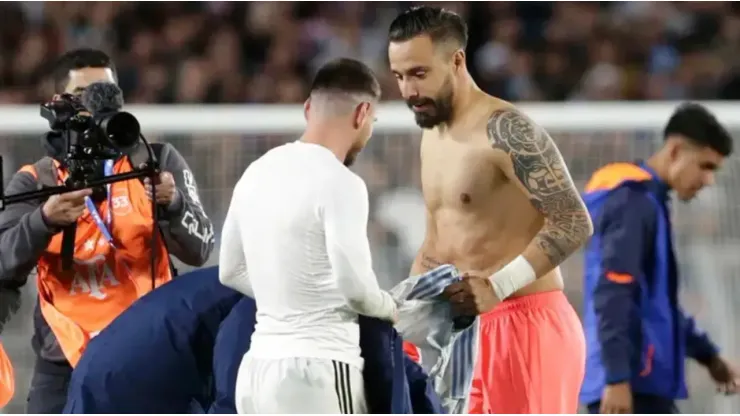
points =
(64, 209)
(164, 188)
(616, 399)
(724, 375)
(472, 296)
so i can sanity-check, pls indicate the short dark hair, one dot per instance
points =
(698, 125)
(348, 76)
(78, 59)
(439, 24)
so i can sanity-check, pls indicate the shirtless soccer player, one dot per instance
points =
(501, 206)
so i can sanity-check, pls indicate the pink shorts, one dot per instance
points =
(532, 357)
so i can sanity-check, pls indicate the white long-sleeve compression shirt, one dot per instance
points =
(295, 239)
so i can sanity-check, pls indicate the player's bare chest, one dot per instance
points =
(457, 174)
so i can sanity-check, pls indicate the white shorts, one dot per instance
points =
(299, 386)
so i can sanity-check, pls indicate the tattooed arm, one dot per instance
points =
(537, 166)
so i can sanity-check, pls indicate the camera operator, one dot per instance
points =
(112, 249)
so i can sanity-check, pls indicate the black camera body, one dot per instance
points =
(94, 131)
(92, 136)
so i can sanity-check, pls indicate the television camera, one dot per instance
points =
(94, 130)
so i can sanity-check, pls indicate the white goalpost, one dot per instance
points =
(393, 117)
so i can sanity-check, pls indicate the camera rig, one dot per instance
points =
(91, 138)
(151, 170)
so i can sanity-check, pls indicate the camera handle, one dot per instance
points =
(45, 193)
(69, 232)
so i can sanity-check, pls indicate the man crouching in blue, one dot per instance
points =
(178, 349)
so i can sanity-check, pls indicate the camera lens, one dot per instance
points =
(121, 129)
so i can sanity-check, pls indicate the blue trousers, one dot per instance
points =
(644, 404)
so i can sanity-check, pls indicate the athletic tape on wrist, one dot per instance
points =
(512, 277)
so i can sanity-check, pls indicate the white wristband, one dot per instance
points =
(512, 277)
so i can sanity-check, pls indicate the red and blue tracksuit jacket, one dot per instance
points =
(635, 328)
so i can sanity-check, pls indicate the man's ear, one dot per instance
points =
(674, 146)
(306, 108)
(361, 113)
(458, 60)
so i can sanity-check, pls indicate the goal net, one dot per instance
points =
(219, 142)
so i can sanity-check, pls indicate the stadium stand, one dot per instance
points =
(265, 52)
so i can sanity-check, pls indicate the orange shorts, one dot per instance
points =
(532, 357)
(412, 352)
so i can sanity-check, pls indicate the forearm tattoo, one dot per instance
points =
(540, 168)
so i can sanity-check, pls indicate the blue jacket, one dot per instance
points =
(635, 329)
(394, 384)
(156, 357)
(178, 350)
(232, 341)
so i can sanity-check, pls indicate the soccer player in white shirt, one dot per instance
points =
(295, 239)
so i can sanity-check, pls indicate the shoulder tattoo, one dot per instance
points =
(539, 166)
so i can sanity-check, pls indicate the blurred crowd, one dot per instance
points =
(266, 52)
(236, 52)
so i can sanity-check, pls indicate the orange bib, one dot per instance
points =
(7, 379)
(105, 279)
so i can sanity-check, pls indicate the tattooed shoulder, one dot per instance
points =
(539, 167)
(536, 160)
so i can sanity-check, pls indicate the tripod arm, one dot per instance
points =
(45, 193)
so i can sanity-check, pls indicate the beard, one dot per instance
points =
(351, 157)
(350, 160)
(437, 110)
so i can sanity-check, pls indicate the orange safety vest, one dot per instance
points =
(104, 281)
(7, 378)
